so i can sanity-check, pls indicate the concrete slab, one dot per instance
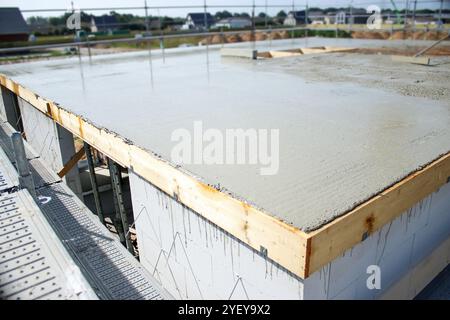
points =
(342, 138)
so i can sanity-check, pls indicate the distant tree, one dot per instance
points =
(242, 15)
(59, 21)
(425, 11)
(37, 20)
(167, 22)
(279, 18)
(281, 14)
(332, 9)
(222, 15)
(262, 15)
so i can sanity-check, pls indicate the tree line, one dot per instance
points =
(137, 22)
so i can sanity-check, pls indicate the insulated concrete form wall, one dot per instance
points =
(8, 107)
(397, 248)
(53, 143)
(194, 259)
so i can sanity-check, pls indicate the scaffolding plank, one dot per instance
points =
(33, 262)
(111, 269)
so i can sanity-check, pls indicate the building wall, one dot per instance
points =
(290, 20)
(14, 37)
(396, 248)
(8, 107)
(234, 24)
(53, 143)
(193, 259)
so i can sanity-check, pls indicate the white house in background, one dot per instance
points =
(234, 23)
(198, 21)
(317, 17)
(295, 18)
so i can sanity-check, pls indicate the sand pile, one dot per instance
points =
(233, 38)
(260, 36)
(434, 35)
(284, 34)
(205, 41)
(419, 35)
(398, 35)
(217, 39)
(370, 35)
(274, 36)
(247, 36)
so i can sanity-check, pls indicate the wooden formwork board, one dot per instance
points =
(239, 53)
(300, 51)
(299, 252)
(415, 60)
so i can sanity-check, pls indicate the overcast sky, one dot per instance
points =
(63, 4)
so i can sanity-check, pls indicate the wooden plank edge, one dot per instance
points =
(239, 53)
(332, 239)
(301, 51)
(415, 60)
(285, 244)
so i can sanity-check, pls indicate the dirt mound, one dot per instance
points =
(260, 36)
(248, 36)
(398, 35)
(284, 34)
(218, 39)
(417, 35)
(233, 38)
(406, 51)
(205, 41)
(274, 36)
(370, 35)
(434, 35)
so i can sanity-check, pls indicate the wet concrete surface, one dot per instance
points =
(350, 125)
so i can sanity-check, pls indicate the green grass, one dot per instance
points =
(44, 40)
(155, 44)
(34, 56)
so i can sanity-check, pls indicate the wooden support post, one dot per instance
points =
(116, 181)
(96, 193)
(71, 163)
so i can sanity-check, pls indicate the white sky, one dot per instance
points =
(65, 4)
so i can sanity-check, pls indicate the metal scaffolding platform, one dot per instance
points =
(60, 220)
(114, 273)
(41, 175)
(33, 262)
